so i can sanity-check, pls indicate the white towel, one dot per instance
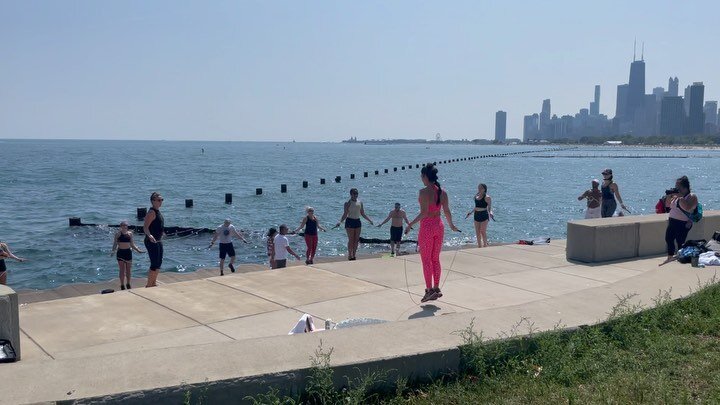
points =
(304, 325)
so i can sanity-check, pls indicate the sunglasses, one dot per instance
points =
(159, 199)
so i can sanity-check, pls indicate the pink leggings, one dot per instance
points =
(430, 241)
(311, 241)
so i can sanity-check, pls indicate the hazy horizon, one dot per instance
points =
(328, 71)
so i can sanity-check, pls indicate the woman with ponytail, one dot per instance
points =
(430, 238)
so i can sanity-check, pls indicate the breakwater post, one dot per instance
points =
(258, 191)
(141, 212)
(305, 184)
(188, 203)
(337, 179)
(283, 188)
(74, 221)
(322, 181)
(228, 198)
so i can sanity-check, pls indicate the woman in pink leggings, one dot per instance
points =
(430, 237)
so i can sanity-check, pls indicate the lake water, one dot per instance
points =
(46, 182)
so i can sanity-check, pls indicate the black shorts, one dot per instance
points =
(279, 264)
(124, 255)
(396, 233)
(227, 249)
(481, 216)
(3, 268)
(155, 252)
(352, 223)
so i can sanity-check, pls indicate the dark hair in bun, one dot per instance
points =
(430, 171)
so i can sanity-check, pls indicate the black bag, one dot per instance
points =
(700, 243)
(7, 352)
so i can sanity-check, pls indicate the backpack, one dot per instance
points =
(660, 207)
(694, 216)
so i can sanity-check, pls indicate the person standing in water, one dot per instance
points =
(610, 191)
(154, 228)
(353, 210)
(397, 216)
(225, 232)
(594, 197)
(123, 245)
(482, 213)
(432, 199)
(311, 224)
(6, 253)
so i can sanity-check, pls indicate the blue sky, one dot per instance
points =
(328, 70)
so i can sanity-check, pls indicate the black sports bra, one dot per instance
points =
(480, 203)
(124, 238)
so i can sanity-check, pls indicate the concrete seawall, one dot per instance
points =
(226, 337)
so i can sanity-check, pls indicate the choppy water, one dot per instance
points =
(46, 182)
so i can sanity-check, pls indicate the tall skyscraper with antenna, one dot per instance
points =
(636, 85)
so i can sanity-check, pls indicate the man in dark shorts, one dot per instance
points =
(225, 232)
(396, 227)
(154, 228)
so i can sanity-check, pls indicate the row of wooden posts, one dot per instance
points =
(142, 211)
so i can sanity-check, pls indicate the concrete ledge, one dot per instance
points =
(605, 239)
(9, 317)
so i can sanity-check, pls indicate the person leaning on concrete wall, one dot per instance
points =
(682, 204)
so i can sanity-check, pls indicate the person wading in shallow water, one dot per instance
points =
(154, 228)
(311, 224)
(432, 199)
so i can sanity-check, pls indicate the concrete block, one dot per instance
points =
(9, 319)
(600, 240)
(651, 235)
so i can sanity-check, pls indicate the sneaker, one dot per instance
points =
(307, 262)
(122, 287)
(428, 294)
(221, 273)
(438, 293)
(128, 286)
(232, 268)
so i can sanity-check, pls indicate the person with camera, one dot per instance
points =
(682, 205)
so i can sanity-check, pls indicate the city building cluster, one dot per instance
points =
(661, 113)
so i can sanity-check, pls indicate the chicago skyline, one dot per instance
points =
(636, 112)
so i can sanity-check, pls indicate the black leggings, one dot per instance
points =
(676, 232)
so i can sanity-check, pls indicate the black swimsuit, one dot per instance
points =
(124, 255)
(155, 250)
(481, 216)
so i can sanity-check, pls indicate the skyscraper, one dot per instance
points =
(696, 117)
(530, 127)
(673, 85)
(545, 113)
(672, 116)
(686, 101)
(636, 86)
(711, 112)
(500, 126)
(595, 104)
(621, 104)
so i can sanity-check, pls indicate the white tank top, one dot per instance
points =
(354, 209)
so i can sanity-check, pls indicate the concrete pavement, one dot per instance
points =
(230, 333)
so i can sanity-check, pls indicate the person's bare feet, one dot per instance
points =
(668, 260)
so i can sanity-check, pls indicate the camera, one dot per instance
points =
(673, 190)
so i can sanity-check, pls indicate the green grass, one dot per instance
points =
(668, 354)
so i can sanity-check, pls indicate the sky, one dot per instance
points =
(329, 70)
